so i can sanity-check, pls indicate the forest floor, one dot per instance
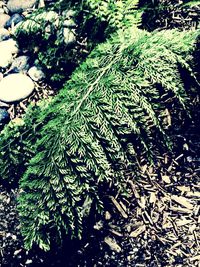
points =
(156, 223)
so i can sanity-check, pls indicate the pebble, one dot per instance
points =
(20, 64)
(4, 18)
(15, 87)
(7, 49)
(18, 6)
(14, 20)
(36, 73)
(4, 34)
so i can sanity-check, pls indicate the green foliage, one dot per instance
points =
(191, 3)
(45, 31)
(12, 152)
(117, 14)
(90, 20)
(108, 113)
(17, 145)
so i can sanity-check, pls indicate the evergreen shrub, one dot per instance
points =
(112, 110)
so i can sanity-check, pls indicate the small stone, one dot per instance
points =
(4, 34)
(69, 37)
(4, 18)
(7, 49)
(28, 262)
(36, 73)
(15, 87)
(16, 18)
(18, 6)
(4, 116)
(20, 64)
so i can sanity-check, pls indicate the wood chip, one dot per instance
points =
(195, 258)
(133, 187)
(112, 244)
(116, 232)
(183, 188)
(179, 209)
(119, 208)
(166, 179)
(138, 231)
(153, 198)
(182, 201)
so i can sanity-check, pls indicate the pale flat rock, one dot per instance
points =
(4, 18)
(10, 45)
(18, 6)
(7, 49)
(15, 87)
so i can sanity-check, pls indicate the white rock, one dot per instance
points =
(3, 19)
(15, 87)
(2, 3)
(69, 37)
(4, 34)
(10, 45)
(6, 58)
(7, 49)
(36, 74)
(16, 6)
